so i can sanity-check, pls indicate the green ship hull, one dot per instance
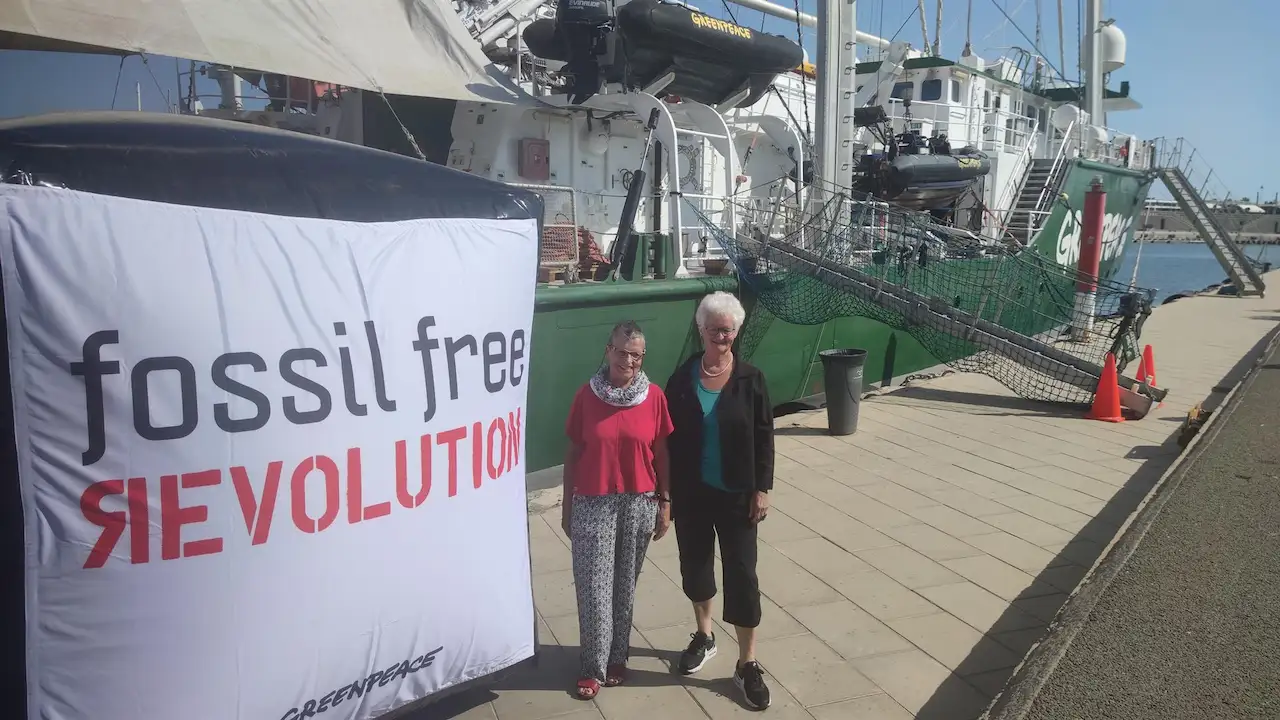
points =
(571, 322)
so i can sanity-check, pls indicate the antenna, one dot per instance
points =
(1062, 44)
(968, 29)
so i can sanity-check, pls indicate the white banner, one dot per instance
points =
(271, 467)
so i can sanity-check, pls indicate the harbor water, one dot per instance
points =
(1172, 268)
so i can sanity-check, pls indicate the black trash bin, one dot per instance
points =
(842, 377)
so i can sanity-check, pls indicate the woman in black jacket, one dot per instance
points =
(721, 472)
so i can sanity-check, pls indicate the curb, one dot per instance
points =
(1030, 676)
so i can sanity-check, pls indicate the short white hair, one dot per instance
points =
(723, 304)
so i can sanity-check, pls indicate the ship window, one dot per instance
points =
(986, 99)
(931, 90)
(997, 105)
(903, 91)
(955, 91)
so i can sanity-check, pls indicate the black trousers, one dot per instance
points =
(703, 514)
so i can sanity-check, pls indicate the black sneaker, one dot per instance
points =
(701, 649)
(750, 680)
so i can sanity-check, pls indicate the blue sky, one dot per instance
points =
(1199, 69)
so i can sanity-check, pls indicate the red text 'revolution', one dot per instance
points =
(493, 449)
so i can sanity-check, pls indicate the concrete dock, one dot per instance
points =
(907, 568)
(1179, 620)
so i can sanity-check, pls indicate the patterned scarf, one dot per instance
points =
(628, 396)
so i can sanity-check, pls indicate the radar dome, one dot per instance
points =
(1112, 47)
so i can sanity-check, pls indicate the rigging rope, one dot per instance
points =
(119, 72)
(413, 142)
(1034, 45)
(1062, 45)
(804, 79)
(167, 106)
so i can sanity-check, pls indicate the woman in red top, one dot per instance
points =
(615, 500)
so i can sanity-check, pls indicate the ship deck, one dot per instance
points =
(908, 568)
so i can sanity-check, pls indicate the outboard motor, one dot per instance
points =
(584, 26)
(911, 143)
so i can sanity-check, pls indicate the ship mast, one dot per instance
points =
(1093, 63)
(837, 76)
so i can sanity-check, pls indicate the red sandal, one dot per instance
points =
(615, 675)
(588, 688)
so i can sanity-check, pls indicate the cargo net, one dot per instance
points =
(937, 284)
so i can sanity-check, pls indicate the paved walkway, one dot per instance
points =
(907, 568)
(1187, 626)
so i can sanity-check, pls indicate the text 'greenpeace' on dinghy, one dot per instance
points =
(712, 60)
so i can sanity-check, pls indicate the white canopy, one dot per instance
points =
(406, 47)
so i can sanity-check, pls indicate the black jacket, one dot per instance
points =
(745, 417)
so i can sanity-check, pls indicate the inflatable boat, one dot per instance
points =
(713, 61)
(917, 180)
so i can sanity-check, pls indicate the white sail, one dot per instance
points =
(407, 47)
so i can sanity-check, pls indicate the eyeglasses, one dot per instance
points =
(632, 356)
(724, 331)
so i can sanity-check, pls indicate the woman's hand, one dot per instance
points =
(759, 506)
(566, 512)
(663, 522)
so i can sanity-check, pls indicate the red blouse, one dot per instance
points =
(617, 443)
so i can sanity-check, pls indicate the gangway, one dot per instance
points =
(1173, 161)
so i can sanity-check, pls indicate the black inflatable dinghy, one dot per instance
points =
(921, 181)
(712, 60)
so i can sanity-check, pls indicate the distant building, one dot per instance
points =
(1244, 218)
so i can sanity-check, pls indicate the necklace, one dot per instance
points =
(723, 370)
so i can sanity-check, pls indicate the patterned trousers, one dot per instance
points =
(610, 535)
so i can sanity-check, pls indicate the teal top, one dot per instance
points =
(711, 472)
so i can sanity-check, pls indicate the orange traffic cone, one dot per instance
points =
(1106, 401)
(1147, 367)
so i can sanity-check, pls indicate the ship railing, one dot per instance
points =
(773, 215)
(710, 215)
(991, 129)
(1035, 221)
(1180, 154)
(559, 247)
(573, 247)
(1018, 174)
(847, 226)
(300, 96)
(1048, 193)
(849, 229)
(1111, 146)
